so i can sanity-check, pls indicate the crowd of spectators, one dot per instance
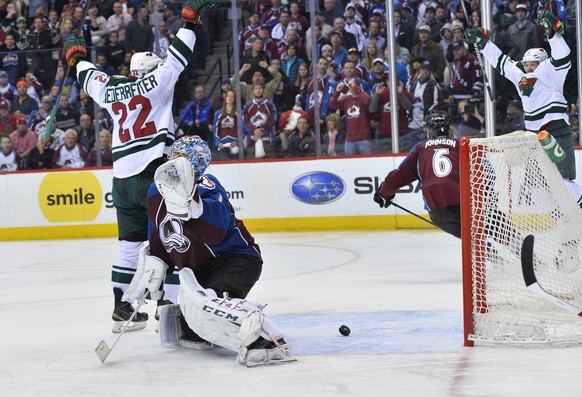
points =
(436, 70)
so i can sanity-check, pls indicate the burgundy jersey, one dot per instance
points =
(384, 114)
(466, 76)
(357, 114)
(436, 164)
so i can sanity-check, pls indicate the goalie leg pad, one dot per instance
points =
(230, 323)
(171, 330)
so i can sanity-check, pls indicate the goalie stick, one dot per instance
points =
(531, 282)
(102, 348)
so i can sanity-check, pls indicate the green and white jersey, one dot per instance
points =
(541, 91)
(141, 108)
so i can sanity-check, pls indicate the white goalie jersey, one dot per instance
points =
(141, 108)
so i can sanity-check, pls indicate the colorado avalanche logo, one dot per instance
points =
(526, 85)
(227, 122)
(259, 119)
(171, 234)
(353, 112)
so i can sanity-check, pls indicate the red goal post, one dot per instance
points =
(511, 189)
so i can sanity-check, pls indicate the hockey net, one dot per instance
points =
(510, 189)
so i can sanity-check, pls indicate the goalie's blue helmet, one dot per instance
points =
(195, 149)
(436, 124)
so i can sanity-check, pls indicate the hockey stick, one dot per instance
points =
(49, 125)
(531, 282)
(412, 213)
(102, 348)
(478, 54)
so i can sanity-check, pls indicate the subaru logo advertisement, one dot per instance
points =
(318, 187)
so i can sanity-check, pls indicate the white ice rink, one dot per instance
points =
(399, 292)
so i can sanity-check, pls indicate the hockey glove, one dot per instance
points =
(192, 11)
(550, 22)
(381, 200)
(74, 50)
(478, 36)
(149, 275)
(176, 182)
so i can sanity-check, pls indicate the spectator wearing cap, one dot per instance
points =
(297, 20)
(7, 119)
(9, 159)
(426, 97)
(381, 110)
(355, 107)
(269, 45)
(514, 119)
(348, 39)
(374, 37)
(23, 104)
(248, 32)
(354, 27)
(362, 9)
(218, 100)
(322, 31)
(421, 7)
(119, 20)
(331, 12)
(21, 34)
(279, 30)
(339, 52)
(403, 31)
(466, 80)
(401, 70)
(431, 51)
(522, 34)
(379, 73)
(361, 70)
(39, 116)
(7, 90)
(23, 138)
(270, 17)
(434, 25)
(259, 75)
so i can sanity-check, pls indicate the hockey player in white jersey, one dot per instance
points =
(141, 108)
(539, 80)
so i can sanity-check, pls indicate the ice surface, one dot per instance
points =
(399, 292)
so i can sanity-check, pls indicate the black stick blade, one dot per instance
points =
(527, 261)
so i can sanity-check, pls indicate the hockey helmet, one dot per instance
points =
(535, 55)
(143, 62)
(436, 124)
(194, 149)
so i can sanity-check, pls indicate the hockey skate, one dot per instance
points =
(266, 352)
(122, 312)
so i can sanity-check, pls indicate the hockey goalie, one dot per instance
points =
(193, 227)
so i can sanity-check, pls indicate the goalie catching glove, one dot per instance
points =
(550, 22)
(477, 36)
(176, 182)
(149, 276)
(74, 50)
(191, 13)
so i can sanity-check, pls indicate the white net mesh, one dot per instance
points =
(515, 190)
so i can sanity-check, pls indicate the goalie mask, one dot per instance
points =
(436, 124)
(143, 62)
(195, 149)
(535, 55)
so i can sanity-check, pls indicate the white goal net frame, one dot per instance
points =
(510, 189)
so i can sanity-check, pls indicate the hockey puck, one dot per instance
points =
(344, 330)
